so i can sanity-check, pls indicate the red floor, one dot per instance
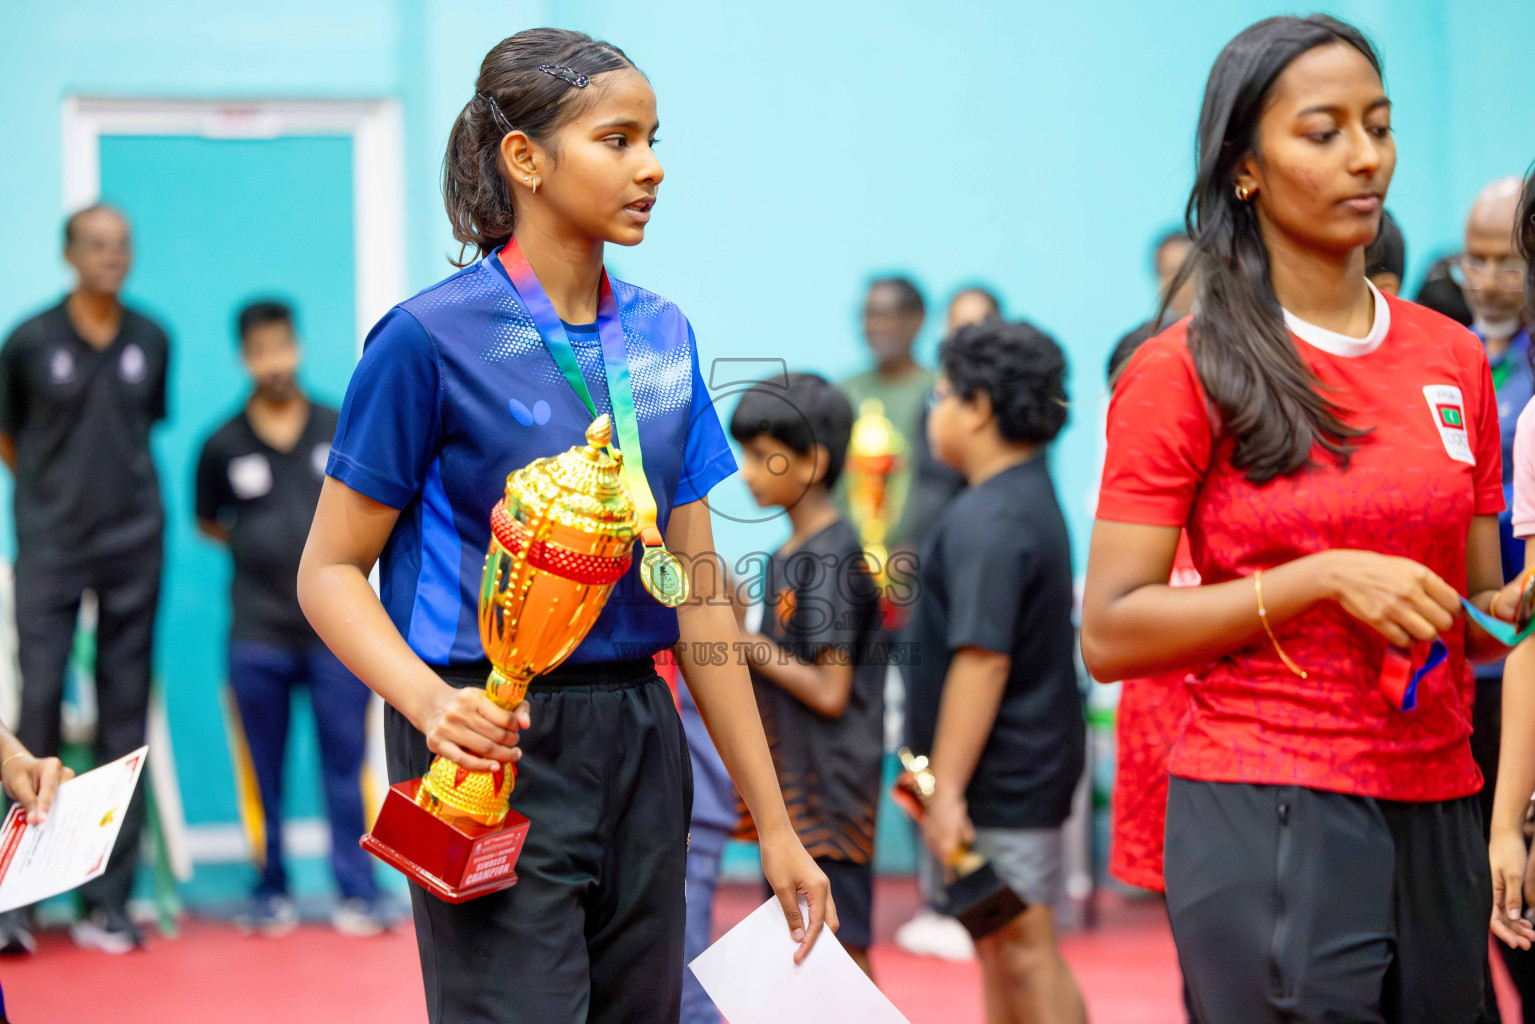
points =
(1126, 968)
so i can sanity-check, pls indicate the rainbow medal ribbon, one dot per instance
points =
(660, 571)
(1505, 633)
(1399, 680)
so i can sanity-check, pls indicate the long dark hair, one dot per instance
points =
(1524, 240)
(537, 102)
(1268, 399)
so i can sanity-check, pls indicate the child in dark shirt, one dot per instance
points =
(992, 696)
(819, 687)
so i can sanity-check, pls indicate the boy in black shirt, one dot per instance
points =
(992, 694)
(258, 481)
(819, 687)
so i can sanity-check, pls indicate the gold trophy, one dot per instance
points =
(873, 454)
(973, 891)
(561, 537)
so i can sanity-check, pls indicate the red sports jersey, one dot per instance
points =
(1431, 462)
(1147, 724)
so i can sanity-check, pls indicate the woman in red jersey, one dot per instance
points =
(1334, 456)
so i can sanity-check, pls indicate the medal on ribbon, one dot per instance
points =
(660, 571)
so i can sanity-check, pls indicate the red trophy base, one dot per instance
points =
(454, 862)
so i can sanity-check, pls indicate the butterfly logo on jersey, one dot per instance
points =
(539, 414)
(1449, 412)
(61, 368)
(133, 366)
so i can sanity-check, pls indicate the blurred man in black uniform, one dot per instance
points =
(81, 384)
(258, 481)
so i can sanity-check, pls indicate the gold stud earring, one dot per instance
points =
(1244, 193)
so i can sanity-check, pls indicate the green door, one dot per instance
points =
(216, 223)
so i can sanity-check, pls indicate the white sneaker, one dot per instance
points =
(107, 932)
(360, 919)
(272, 916)
(930, 933)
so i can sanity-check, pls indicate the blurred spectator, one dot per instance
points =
(929, 933)
(1166, 259)
(1385, 259)
(1492, 275)
(972, 305)
(81, 385)
(993, 695)
(1492, 271)
(258, 481)
(934, 484)
(1524, 237)
(893, 313)
(818, 678)
(1441, 292)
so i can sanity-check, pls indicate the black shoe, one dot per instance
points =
(16, 938)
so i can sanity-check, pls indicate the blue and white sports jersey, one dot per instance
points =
(455, 390)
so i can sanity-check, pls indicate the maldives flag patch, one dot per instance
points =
(1449, 412)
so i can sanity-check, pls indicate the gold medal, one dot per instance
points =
(662, 575)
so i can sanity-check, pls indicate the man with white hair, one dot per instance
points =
(1492, 275)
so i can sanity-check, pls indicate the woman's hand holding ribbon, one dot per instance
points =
(1404, 601)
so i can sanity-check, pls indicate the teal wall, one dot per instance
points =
(808, 147)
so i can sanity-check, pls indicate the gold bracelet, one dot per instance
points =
(1263, 617)
(13, 757)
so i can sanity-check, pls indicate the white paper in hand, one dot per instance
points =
(751, 976)
(72, 846)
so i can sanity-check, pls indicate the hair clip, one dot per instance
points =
(565, 74)
(495, 108)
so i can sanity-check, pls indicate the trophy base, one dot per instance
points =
(452, 861)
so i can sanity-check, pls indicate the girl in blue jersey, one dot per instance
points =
(460, 385)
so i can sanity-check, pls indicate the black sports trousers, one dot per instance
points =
(592, 933)
(1297, 905)
(127, 588)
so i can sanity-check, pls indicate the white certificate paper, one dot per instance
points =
(72, 846)
(751, 976)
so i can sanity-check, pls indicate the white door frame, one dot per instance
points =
(378, 243)
(378, 170)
